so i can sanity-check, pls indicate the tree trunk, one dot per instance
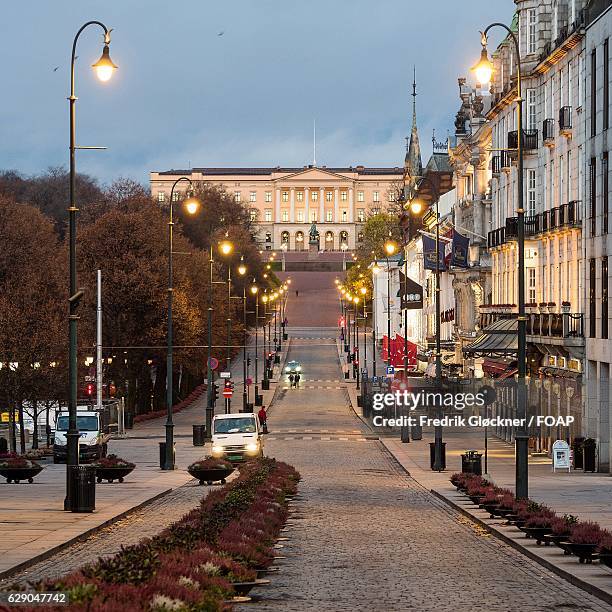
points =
(22, 442)
(12, 429)
(35, 426)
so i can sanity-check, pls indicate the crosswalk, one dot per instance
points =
(320, 438)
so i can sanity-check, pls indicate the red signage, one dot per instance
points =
(227, 392)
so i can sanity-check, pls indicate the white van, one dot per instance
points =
(237, 437)
(93, 438)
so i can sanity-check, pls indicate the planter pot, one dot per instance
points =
(537, 533)
(606, 558)
(210, 475)
(242, 588)
(476, 499)
(112, 473)
(584, 552)
(490, 508)
(17, 474)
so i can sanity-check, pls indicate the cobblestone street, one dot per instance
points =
(365, 536)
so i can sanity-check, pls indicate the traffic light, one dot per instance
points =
(90, 389)
(215, 395)
(248, 361)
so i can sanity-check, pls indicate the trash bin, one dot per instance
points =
(578, 453)
(346, 348)
(346, 374)
(359, 401)
(277, 358)
(199, 435)
(471, 462)
(162, 455)
(589, 449)
(405, 434)
(258, 399)
(249, 407)
(265, 385)
(82, 488)
(285, 336)
(128, 420)
(417, 432)
(432, 455)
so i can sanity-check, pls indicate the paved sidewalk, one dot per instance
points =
(32, 520)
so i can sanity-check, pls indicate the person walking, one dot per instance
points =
(297, 293)
(263, 419)
(291, 378)
(297, 379)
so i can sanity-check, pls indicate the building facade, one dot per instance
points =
(285, 202)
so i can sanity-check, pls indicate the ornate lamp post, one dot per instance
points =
(390, 249)
(484, 70)
(191, 205)
(416, 207)
(255, 293)
(104, 68)
(242, 270)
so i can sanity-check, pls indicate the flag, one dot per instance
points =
(429, 254)
(460, 244)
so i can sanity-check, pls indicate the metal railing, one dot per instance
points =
(550, 325)
(565, 119)
(548, 129)
(530, 140)
(496, 164)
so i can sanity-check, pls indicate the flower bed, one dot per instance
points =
(192, 564)
(586, 540)
(156, 414)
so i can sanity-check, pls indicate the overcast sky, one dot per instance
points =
(185, 96)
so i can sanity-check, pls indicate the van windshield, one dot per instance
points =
(84, 423)
(245, 425)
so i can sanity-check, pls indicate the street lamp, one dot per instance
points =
(343, 248)
(255, 293)
(417, 205)
(192, 205)
(104, 68)
(484, 71)
(242, 270)
(364, 292)
(226, 247)
(356, 361)
(390, 248)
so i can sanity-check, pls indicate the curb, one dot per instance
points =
(83, 536)
(571, 578)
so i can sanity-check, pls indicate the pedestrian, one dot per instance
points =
(263, 419)
(297, 293)
(291, 377)
(297, 380)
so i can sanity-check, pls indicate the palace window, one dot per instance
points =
(314, 196)
(237, 196)
(329, 196)
(531, 30)
(253, 196)
(531, 192)
(161, 196)
(313, 216)
(285, 216)
(392, 196)
(268, 215)
(268, 197)
(375, 196)
(360, 215)
(253, 214)
(344, 215)
(300, 216)
(329, 216)
(299, 196)
(360, 197)
(175, 196)
(532, 285)
(285, 196)
(344, 196)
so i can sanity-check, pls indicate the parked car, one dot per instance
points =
(93, 438)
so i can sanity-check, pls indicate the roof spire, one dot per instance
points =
(412, 161)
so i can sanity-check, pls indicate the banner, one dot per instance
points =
(429, 254)
(410, 292)
(460, 244)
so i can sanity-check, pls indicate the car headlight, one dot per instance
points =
(217, 449)
(252, 447)
(287, 369)
(298, 369)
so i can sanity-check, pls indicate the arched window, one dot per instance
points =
(285, 237)
(299, 241)
(343, 237)
(329, 241)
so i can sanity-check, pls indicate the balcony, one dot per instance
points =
(496, 165)
(530, 140)
(565, 121)
(496, 237)
(505, 161)
(548, 132)
(561, 217)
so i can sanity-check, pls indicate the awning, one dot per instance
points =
(497, 340)
(552, 349)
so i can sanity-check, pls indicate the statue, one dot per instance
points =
(314, 234)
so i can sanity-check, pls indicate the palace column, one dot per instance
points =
(277, 213)
(350, 207)
(306, 205)
(336, 209)
(292, 206)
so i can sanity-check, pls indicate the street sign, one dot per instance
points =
(364, 371)
(227, 392)
(390, 370)
(225, 375)
(213, 363)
